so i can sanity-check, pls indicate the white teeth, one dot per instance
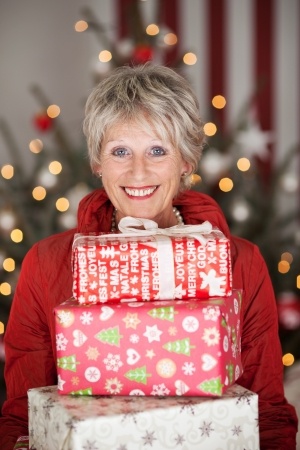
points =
(139, 192)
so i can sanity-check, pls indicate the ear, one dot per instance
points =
(186, 168)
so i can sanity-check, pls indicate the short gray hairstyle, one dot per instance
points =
(154, 96)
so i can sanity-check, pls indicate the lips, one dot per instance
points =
(140, 192)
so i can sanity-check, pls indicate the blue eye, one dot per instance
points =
(121, 152)
(158, 151)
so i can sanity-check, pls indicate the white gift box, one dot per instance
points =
(130, 423)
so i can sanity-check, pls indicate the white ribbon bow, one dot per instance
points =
(127, 227)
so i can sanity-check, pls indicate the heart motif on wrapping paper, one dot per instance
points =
(79, 338)
(106, 313)
(132, 356)
(208, 362)
(181, 387)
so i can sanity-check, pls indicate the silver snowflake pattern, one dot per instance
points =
(90, 446)
(61, 341)
(149, 438)
(179, 440)
(130, 415)
(236, 430)
(245, 397)
(47, 407)
(187, 406)
(206, 429)
(86, 318)
(122, 447)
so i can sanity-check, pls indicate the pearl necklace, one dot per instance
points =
(175, 211)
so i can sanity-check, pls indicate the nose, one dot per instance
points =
(139, 167)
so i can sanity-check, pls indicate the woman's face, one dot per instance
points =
(140, 173)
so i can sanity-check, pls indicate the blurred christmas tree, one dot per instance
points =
(44, 201)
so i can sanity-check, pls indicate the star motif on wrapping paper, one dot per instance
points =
(206, 429)
(134, 279)
(131, 320)
(150, 354)
(236, 430)
(93, 285)
(213, 282)
(134, 292)
(179, 440)
(149, 438)
(90, 446)
(254, 141)
(152, 333)
(92, 353)
(60, 383)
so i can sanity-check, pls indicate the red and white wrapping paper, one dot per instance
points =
(181, 262)
(181, 348)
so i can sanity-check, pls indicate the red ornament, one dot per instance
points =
(142, 54)
(42, 121)
(288, 307)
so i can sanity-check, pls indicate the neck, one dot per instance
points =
(176, 213)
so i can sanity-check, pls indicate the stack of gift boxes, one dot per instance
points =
(154, 323)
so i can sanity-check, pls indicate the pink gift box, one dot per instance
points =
(169, 348)
(122, 267)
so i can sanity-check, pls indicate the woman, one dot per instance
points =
(145, 139)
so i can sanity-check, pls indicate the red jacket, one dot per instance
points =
(46, 280)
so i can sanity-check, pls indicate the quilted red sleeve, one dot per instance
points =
(261, 350)
(29, 358)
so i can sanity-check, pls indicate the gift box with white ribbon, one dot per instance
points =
(181, 262)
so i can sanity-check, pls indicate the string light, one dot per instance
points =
(298, 281)
(210, 129)
(105, 56)
(7, 171)
(5, 288)
(9, 264)
(39, 193)
(16, 235)
(226, 184)
(36, 146)
(62, 204)
(218, 101)
(288, 359)
(53, 111)
(152, 29)
(55, 167)
(171, 39)
(243, 164)
(80, 26)
(283, 267)
(1, 327)
(189, 59)
(287, 256)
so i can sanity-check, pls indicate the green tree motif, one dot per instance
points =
(163, 313)
(181, 346)
(212, 386)
(67, 363)
(110, 336)
(87, 391)
(139, 375)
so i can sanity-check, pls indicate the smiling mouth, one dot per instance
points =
(145, 192)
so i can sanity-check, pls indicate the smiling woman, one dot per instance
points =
(145, 139)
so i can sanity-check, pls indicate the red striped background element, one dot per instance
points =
(216, 62)
(264, 63)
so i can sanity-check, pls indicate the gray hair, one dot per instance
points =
(154, 96)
